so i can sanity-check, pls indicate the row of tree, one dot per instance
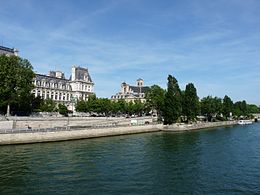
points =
(16, 75)
(107, 107)
(176, 105)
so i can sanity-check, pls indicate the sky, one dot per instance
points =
(213, 44)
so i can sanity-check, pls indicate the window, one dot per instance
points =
(56, 96)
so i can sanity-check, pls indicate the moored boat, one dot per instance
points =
(244, 122)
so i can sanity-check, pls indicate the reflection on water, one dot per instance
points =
(223, 160)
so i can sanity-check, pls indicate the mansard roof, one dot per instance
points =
(7, 49)
(136, 89)
(47, 78)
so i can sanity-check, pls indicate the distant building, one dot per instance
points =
(131, 93)
(66, 91)
(8, 51)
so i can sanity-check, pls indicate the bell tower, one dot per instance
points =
(140, 82)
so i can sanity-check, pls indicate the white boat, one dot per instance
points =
(244, 122)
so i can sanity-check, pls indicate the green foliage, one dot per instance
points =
(227, 106)
(155, 99)
(172, 102)
(63, 110)
(81, 106)
(16, 77)
(138, 107)
(240, 108)
(36, 103)
(253, 109)
(190, 102)
(108, 107)
(48, 106)
(211, 106)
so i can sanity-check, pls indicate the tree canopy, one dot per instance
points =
(155, 99)
(16, 75)
(172, 102)
(190, 103)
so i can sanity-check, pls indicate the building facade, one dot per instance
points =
(8, 51)
(131, 93)
(65, 91)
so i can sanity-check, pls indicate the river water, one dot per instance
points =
(215, 161)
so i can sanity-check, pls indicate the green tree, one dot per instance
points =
(155, 99)
(81, 106)
(138, 107)
(63, 110)
(121, 105)
(48, 106)
(240, 108)
(129, 108)
(227, 106)
(190, 103)
(103, 105)
(211, 107)
(253, 109)
(36, 103)
(172, 102)
(91, 104)
(16, 75)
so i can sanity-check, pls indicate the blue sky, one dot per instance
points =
(214, 44)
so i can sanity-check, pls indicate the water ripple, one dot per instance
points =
(216, 161)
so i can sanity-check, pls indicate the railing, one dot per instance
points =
(66, 128)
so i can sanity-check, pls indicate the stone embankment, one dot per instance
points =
(33, 130)
(196, 126)
(53, 122)
(49, 136)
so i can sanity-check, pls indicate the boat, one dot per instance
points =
(244, 122)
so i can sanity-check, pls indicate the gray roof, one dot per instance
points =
(40, 77)
(7, 49)
(136, 89)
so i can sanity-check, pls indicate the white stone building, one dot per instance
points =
(66, 91)
(131, 93)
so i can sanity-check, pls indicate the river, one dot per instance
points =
(214, 161)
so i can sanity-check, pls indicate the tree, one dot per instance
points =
(190, 103)
(48, 106)
(253, 109)
(227, 106)
(155, 99)
(103, 105)
(63, 110)
(81, 106)
(172, 102)
(240, 108)
(16, 75)
(211, 107)
(138, 107)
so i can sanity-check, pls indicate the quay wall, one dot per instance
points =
(189, 127)
(52, 122)
(89, 132)
(22, 138)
